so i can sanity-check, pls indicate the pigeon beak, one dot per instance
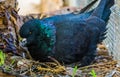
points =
(24, 42)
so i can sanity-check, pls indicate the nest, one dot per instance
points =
(18, 66)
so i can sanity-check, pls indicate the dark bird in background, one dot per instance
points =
(68, 38)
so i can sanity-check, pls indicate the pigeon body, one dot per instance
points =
(68, 38)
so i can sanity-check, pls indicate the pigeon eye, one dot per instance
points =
(30, 32)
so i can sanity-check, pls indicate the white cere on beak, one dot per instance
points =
(23, 42)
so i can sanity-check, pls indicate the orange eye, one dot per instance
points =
(30, 32)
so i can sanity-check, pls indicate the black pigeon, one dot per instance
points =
(68, 38)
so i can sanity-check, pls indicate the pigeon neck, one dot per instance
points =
(47, 38)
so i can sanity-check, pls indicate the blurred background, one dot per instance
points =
(43, 6)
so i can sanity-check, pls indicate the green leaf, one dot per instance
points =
(2, 58)
(74, 71)
(13, 61)
(93, 73)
